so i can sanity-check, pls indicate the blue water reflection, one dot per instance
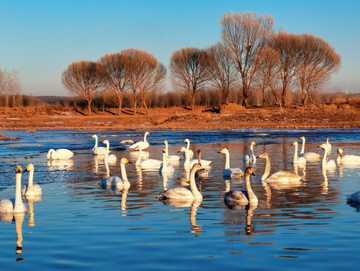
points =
(79, 224)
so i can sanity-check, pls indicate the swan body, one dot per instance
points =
(347, 158)
(190, 153)
(59, 154)
(309, 156)
(280, 177)
(182, 193)
(296, 159)
(98, 150)
(165, 167)
(328, 164)
(147, 163)
(355, 197)
(14, 205)
(234, 197)
(143, 144)
(31, 189)
(112, 157)
(170, 157)
(228, 171)
(250, 158)
(117, 181)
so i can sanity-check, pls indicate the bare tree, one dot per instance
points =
(13, 85)
(116, 77)
(288, 45)
(223, 72)
(243, 34)
(145, 73)
(268, 75)
(83, 79)
(190, 71)
(317, 61)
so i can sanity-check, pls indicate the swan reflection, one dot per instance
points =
(60, 164)
(31, 199)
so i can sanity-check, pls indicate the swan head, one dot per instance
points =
(263, 155)
(183, 149)
(49, 153)
(147, 133)
(94, 136)
(196, 167)
(224, 150)
(253, 143)
(165, 142)
(294, 143)
(340, 152)
(106, 142)
(249, 171)
(29, 167)
(124, 161)
(186, 140)
(18, 169)
(323, 146)
(302, 137)
(164, 151)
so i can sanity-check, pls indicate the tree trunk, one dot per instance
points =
(135, 101)
(193, 102)
(146, 109)
(120, 104)
(89, 107)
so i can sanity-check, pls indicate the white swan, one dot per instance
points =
(143, 144)
(296, 159)
(117, 181)
(328, 164)
(189, 152)
(147, 163)
(189, 163)
(183, 192)
(355, 197)
(309, 156)
(347, 158)
(201, 172)
(31, 189)
(170, 157)
(228, 171)
(165, 167)
(234, 197)
(14, 205)
(280, 177)
(59, 154)
(250, 158)
(98, 150)
(112, 157)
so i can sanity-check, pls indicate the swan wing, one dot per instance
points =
(7, 205)
(177, 193)
(112, 181)
(99, 151)
(355, 197)
(285, 177)
(236, 196)
(233, 172)
(310, 156)
(63, 154)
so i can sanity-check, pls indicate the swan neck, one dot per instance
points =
(145, 138)
(139, 157)
(267, 168)
(123, 172)
(31, 178)
(338, 159)
(302, 146)
(166, 150)
(19, 218)
(295, 153)
(18, 201)
(193, 186)
(164, 161)
(252, 196)
(96, 142)
(324, 158)
(227, 160)
(187, 159)
(188, 145)
(107, 151)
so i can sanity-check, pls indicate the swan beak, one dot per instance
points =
(103, 142)
(220, 151)
(179, 151)
(164, 151)
(320, 146)
(129, 162)
(92, 136)
(293, 143)
(164, 142)
(252, 173)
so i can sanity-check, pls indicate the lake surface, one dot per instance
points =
(80, 225)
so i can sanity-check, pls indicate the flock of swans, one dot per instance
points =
(196, 167)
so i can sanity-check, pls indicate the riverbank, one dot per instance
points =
(231, 116)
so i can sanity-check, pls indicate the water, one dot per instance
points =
(80, 225)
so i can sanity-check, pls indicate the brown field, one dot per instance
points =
(231, 116)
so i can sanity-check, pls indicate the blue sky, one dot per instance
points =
(41, 38)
